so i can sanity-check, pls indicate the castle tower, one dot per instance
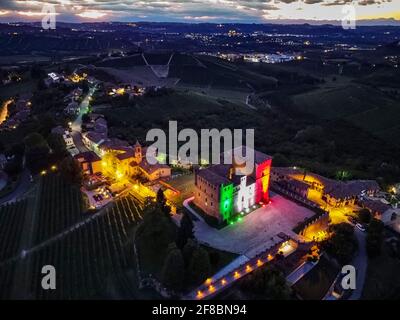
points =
(138, 152)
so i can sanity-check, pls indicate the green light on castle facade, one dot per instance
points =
(226, 201)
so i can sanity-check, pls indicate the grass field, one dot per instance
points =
(378, 114)
(191, 110)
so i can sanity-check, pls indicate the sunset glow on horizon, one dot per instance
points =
(250, 11)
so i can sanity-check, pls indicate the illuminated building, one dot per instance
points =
(123, 160)
(225, 190)
(89, 162)
(315, 187)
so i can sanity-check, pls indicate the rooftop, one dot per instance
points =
(88, 156)
(219, 174)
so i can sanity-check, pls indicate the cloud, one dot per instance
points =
(198, 10)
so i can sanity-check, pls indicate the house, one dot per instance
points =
(89, 162)
(72, 108)
(69, 141)
(100, 126)
(222, 193)
(310, 185)
(58, 130)
(92, 140)
(377, 207)
(125, 160)
(339, 193)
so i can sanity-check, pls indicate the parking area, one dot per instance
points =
(97, 189)
(258, 230)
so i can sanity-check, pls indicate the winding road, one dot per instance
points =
(360, 262)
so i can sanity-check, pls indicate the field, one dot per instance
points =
(12, 218)
(92, 254)
(190, 109)
(348, 102)
(60, 206)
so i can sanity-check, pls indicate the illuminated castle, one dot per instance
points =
(223, 193)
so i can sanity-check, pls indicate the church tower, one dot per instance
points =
(138, 152)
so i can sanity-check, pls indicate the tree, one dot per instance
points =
(36, 152)
(185, 230)
(162, 203)
(276, 287)
(188, 250)
(374, 238)
(364, 215)
(156, 230)
(174, 269)
(85, 118)
(280, 160)
(71, 171)
(342, 244)
(268, 283)
(14, 166)
(199, 267)
(57, 145)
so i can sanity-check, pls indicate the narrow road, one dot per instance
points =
(76, 126)
(360, 262)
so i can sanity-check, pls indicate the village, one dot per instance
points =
(268, 213)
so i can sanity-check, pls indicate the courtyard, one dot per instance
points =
(258, 230)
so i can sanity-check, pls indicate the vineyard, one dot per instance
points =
(88, 258)
(60, 206)
(93, 255)
(12, 218)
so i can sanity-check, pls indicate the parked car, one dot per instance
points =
(360, 227)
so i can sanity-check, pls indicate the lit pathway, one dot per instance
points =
(236, 270)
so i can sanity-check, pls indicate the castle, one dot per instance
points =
(222, 193)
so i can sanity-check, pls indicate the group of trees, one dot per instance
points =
(185, 261)
(36, 152)
(375, 232)
(342, 244)
(374, 237)
(267, 283)
(185, 267)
